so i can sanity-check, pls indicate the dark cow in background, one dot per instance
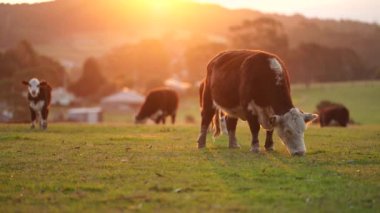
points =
(338, 114)
(159, 104)
(39, 97)
(253, 86)
(331, 113)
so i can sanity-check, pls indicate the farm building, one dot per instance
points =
(87, 115)
(177, 85)
(60, 96)
(126, 101)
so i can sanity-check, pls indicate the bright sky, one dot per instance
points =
(21, 1)
(364, 10)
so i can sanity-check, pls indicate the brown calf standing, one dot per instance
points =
(39, 97)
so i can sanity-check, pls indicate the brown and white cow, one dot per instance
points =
(39, 97)
(159, 104)
(254, 86)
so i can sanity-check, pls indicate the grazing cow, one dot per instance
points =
(253, 86)
(159, 104)
(39, 96)
(337, 113)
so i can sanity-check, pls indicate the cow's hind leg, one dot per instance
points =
(231, 127)
(207, 114)
(206, 120)
(173, 118)
(163, 119)
(254, 126)
(269, 141)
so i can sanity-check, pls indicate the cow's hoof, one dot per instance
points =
(201, 141)
(234, 146)
(255, 149)
(269, 149)
(201, 145)
(32, 127)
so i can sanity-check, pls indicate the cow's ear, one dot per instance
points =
(25, 83)
(274, 120)
(43, 83)
(308, 117)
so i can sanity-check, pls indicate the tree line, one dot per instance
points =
(147, 63)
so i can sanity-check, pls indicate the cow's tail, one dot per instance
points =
(219, 124)
(216, 124)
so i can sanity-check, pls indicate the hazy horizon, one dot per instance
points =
(366, 10)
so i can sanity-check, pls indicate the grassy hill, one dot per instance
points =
(120, 167)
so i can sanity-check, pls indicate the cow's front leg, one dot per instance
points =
(163, 119)
(173, 118)
(231, 127)
(33, 118)
(269, 141)
(44, 115)
(254, 126)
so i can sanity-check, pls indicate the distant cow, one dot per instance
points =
(339, 114)
(159, 104)
(39, 96)
(253, 86)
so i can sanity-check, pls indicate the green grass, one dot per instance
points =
(361, 98)
(122, 167)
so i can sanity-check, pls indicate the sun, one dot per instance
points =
(161, 6)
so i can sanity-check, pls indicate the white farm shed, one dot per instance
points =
(88, 115)
(127, 101)
(60, 96)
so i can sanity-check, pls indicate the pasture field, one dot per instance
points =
(362, 98)
(121, 167)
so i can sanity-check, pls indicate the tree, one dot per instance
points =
(312, 62)
(197, 58)
(91, 84)
(139, 64)
(263, 33)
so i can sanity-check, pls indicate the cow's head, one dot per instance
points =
(139, 119)
(291, 127)
(34, 86)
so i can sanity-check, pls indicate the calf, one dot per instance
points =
(159, 104)
(39, 96)
(253, 86)
(337, 113)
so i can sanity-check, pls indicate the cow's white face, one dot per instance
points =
(291, 127)
(33, 87)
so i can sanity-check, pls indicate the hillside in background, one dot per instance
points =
(71, 30)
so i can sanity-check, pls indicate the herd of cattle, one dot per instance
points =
(243, 84)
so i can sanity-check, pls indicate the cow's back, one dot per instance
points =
(162, 99)
(236, 75)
